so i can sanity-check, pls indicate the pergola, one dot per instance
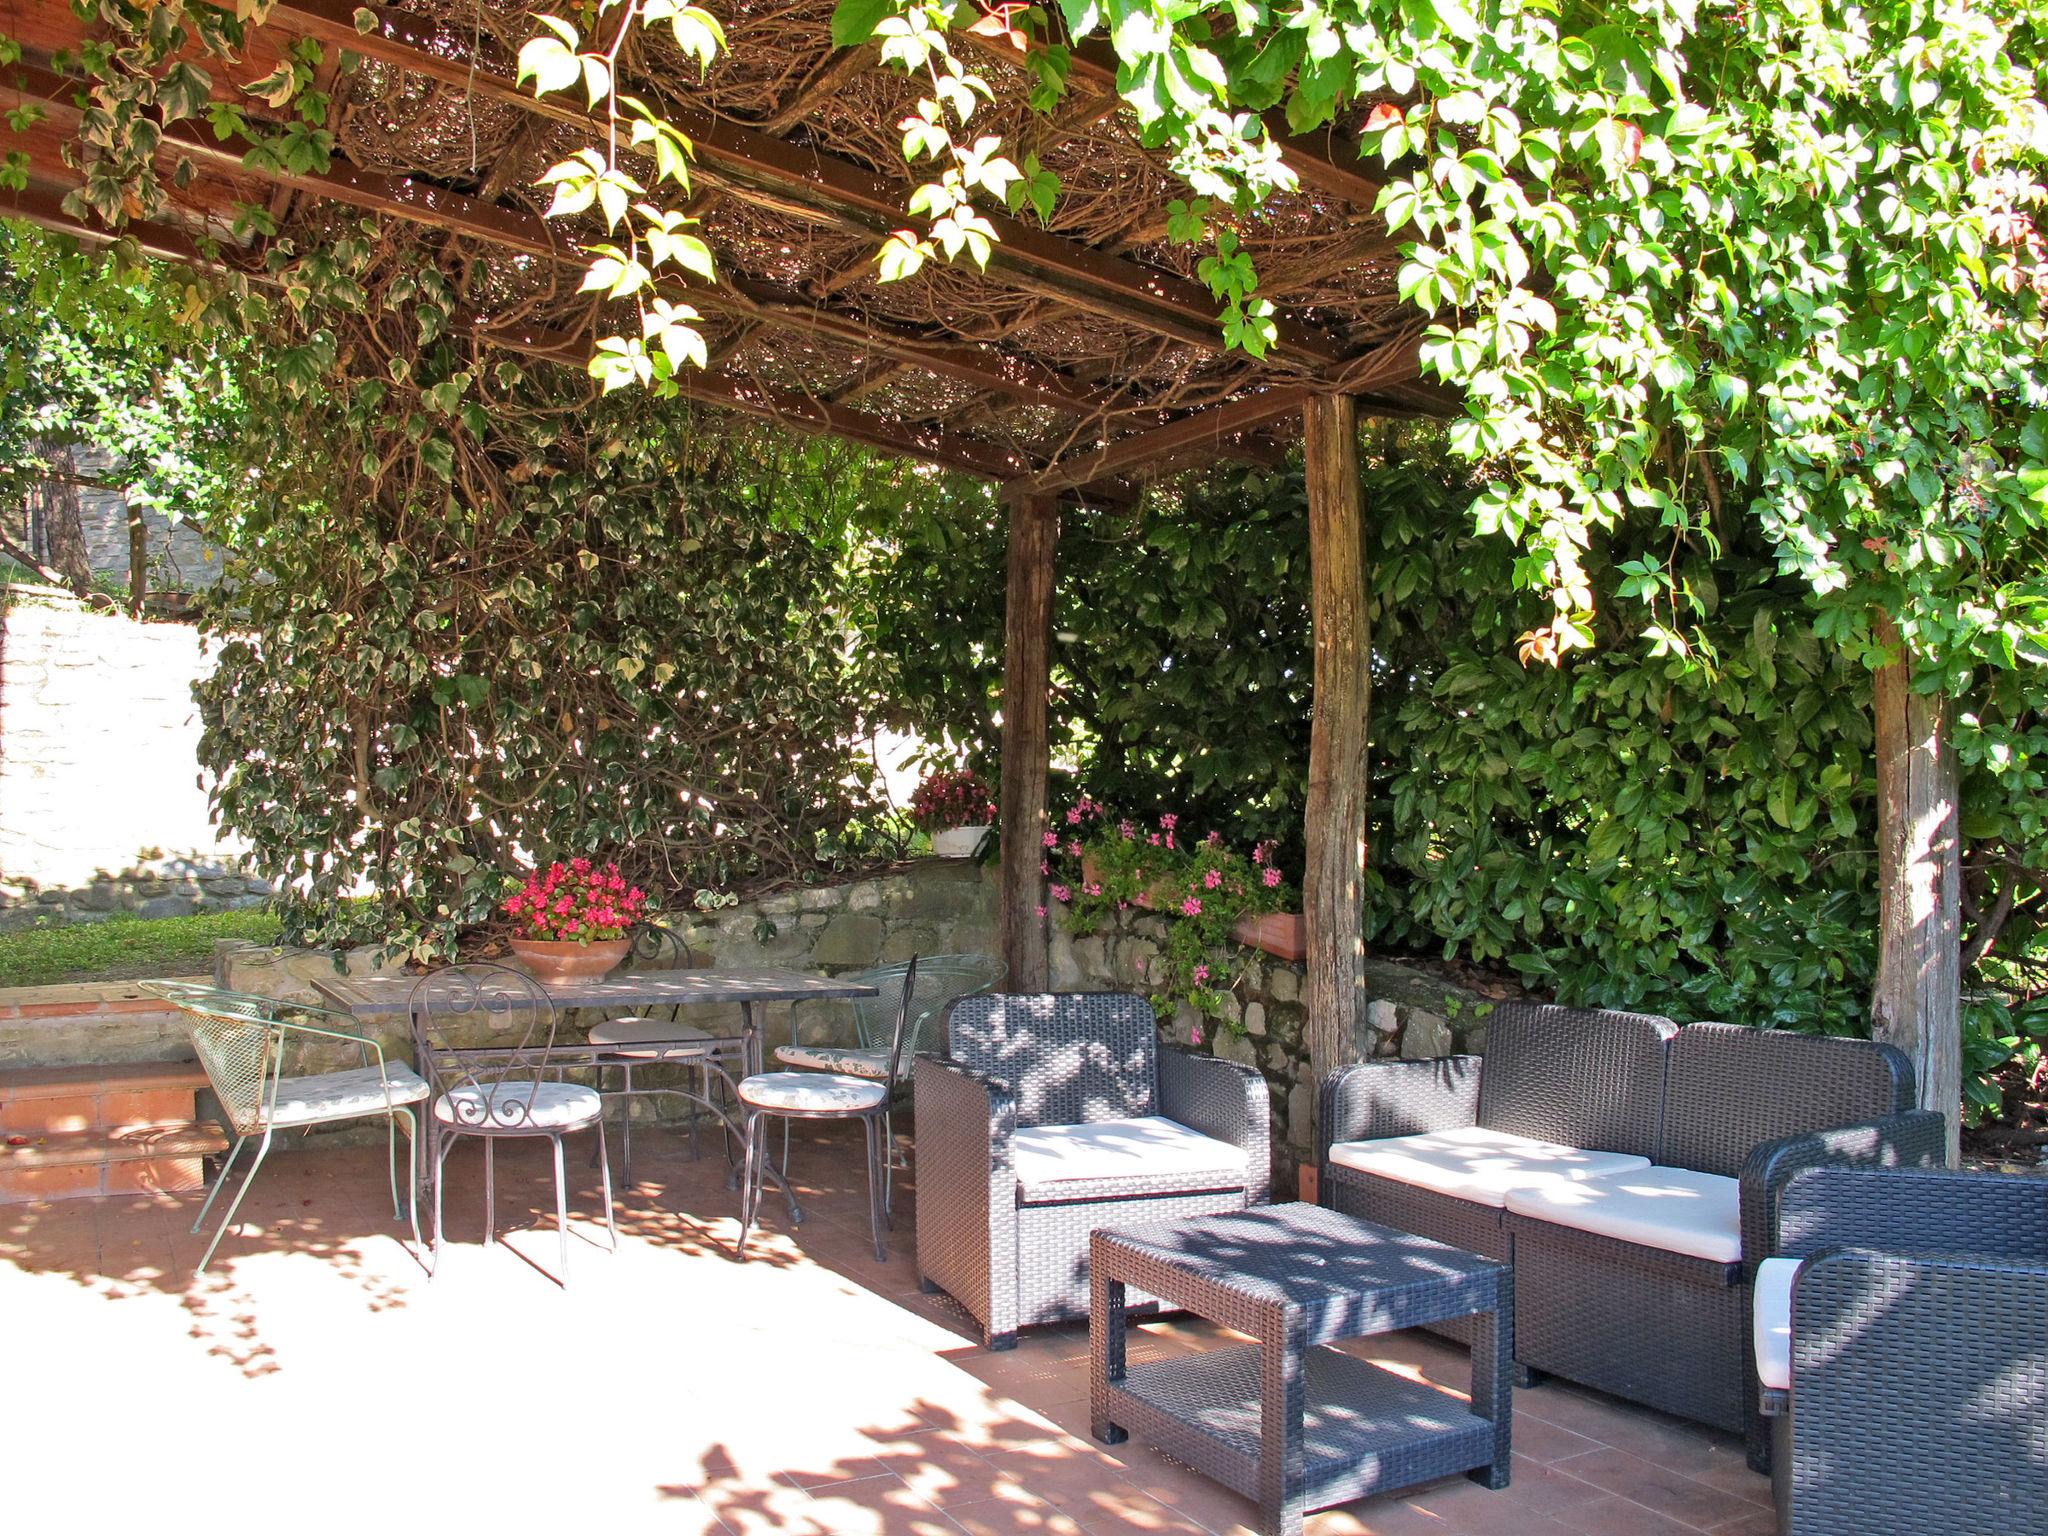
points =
(1084, 359)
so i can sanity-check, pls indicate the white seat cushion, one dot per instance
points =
(651, 1038)
(1158, 1152)
(1675, 1209)
(1476, 1164)
(520, 1104)
(340, 1095)
(812, 1092)
(854, 1060)
(1771, 1321)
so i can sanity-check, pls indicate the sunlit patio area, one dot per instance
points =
(316, 1369)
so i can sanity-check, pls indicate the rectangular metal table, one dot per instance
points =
(389, 997)
(1287, 1420)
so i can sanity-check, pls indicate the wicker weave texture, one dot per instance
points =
(1369, 1100)
(966, 1191)
(1918, 1210)
(1225, 1100)
(1069, 1058)
(1919, 1396)
(1590, 1078)
(1284, 1421)
(1732, 1088)
(1408, 1208)
(1659, 1328)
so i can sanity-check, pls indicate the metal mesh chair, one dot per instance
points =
(505, 1088)
(941, 979)
(827, 1096)
(243, 1042)
(655, 1037)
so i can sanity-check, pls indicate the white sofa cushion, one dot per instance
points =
(1771, 1321)
(1152, 1149)
(813, 1093)
(520, 1104)
(1676, 1209)
(340, 1095)
(1474, 1163)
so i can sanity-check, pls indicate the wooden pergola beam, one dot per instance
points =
(758, 166)
(1317, 161)
(1212, 429)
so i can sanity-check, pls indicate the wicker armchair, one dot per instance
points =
(1056, 1114)
(1902, 1352)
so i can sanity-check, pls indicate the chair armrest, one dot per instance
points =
(1913, 1210)
(1371, 1099)
(966, 1187)
(1226, 1100)
(1917, 1138)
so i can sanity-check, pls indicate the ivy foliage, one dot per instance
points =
(480, 614)
(102, 355)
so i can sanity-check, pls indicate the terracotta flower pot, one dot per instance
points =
(1284, 934)
(1162, 895)
(566, 960)
(958, 842)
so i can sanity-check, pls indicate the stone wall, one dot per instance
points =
(101, 802)
(179, 559)
(942, 906)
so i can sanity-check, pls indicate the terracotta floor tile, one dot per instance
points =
(1667, 1492)
(877, 1506)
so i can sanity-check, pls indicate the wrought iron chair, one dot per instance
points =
(940, 980)
(650, 1039)
(825, 1096)
(242, 1041)
(503, 1089)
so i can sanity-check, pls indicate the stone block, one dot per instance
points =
(935, 888)
(1285, 985)
(1255, 1017)
(865, 897)
(1383, 1016)
(1427, 1036)
(1233, 1046)
(820, 898)
(167, 906)
(1063, 969)
(1091, 958)
(849, 939)
(907, 939)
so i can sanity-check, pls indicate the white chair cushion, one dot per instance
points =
(854, 1060)
(504, 1106)
(1153, 1149)
(651, 1038)
(1771, 1321)
(343, 1095)
(1675, 1209)
(812, 1092)
(1476, 1164)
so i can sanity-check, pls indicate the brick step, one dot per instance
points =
(40, 1101)
(168, 1157)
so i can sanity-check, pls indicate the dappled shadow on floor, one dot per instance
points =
(669, 1387)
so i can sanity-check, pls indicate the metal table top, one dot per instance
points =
(373, 997)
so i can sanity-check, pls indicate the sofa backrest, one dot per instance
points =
(1587, 1077)
(1070, 1058)
(1730, 1088)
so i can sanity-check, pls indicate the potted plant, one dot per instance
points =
(952, 805)
(572, 921)
(1212, 893)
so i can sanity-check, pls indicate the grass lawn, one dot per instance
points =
(124, 947)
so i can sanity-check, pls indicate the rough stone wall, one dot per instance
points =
(179, 559)
(942, 907)
(99, 776)
(1409, 1013)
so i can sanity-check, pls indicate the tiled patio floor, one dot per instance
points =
(315, 1380)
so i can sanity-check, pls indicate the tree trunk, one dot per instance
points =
(1333, 882)
(138, 562)
(1917, 1002)
(1027, 681)
(63, 532)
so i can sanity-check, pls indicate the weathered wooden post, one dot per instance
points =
(1027, 681)
(1917, 1001)
(1333, 881)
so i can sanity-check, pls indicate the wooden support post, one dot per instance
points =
(1917, 1001)
(1333, 884)
(138, 563)
(1027, 681)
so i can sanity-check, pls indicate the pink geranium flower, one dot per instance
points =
(1212, 878)
(1192, 907)
(1272, 878)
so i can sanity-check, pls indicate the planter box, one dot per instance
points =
(1161, 895)
(1281, 934)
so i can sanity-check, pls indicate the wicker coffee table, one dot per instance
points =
(1287, 1420)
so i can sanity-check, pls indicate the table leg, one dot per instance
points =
(1106, 1324)
(1283, 1398)
(1493, 1391)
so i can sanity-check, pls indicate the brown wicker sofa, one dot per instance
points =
(1629, 1169)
